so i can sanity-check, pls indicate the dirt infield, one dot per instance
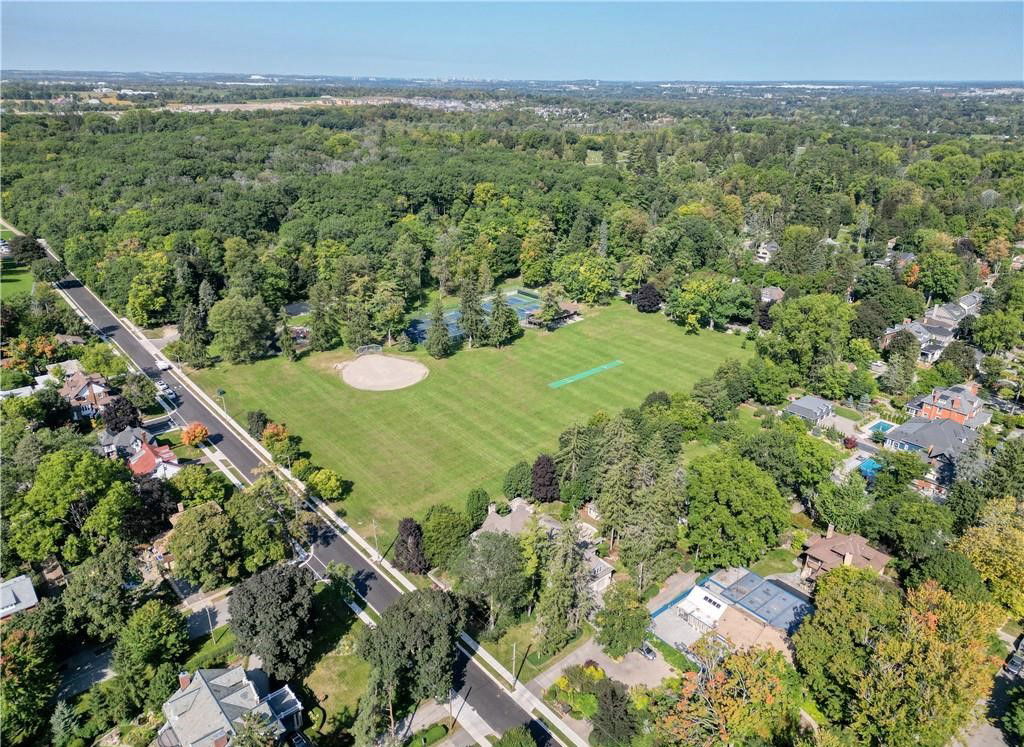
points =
(382, 373)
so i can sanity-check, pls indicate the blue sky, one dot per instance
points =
(612, 41)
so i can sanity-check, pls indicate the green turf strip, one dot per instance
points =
(584, 374)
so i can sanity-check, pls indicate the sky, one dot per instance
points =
(738, 41)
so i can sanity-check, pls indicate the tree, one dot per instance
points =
(240, 326)
(565, 597)
(622, 622)
(29, 679)
(254, 731)
(327, 484)
(477, 505)
(797, 461)
(996, 548)
(1013, 719)
(609, 153)
(444, 532)
(941, 275)
(833, 647)
(155, 634)
(63, 723)
(517, 737)
(409, 556)
(411, 653)
(285, 341)
(841, 504)
(197, 484)
(807, 331)
(648, 299)
(272, 616)
(913, 526)
(323, 319)
(205, 547)
(25, 250)
(256, 422)
(439, 340)
(747, 697)
(194, 434)
(961, 358)
(119, 414)
(472, 320)
(544, 480)
(615, 722)
(193, 336)
(518, 481)
(491, 570)
(953, 572)
(47, 271)
(998, 331)
(504, 325)
(140, 390)
(736, 512)
(101, 591)
(259, 517)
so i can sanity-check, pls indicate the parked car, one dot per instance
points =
(646, 651)
(1015, 665)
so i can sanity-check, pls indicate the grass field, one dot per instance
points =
(476, 414)
(14, 279)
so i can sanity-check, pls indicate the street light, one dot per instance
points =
(221, 393)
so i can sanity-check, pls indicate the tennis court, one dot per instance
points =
(523, 302)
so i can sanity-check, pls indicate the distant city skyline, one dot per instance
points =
(728, 41)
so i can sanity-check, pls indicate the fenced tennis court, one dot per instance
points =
(523, 302)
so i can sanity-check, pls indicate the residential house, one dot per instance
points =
(933, 338)
(939, 443)
(516, 521)
(150, 460)
(87, 394)
(972, 302)
(766, 252)
(69, 340)
(810, 408)
(959, 403)
(772, 294)
(207, 709)
(16, 595)
(835, 550)
(949, 314)
(125, 443)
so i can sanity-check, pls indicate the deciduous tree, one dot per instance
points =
(622, 621)
(491, 570)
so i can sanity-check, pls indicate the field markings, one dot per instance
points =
(584, 374)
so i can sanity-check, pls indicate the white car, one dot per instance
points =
(163, 365)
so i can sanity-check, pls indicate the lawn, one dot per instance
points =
(184, 452)
(339, 676)
(14, 279)
(529, 661)
(779, 560)
(213, 650)
(476, 414)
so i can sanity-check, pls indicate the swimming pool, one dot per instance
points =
(869, 467)
(882, 426)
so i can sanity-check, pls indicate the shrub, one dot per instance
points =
(517, 481)
(477, 503)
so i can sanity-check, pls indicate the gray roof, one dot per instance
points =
(810, 407)
(125, 438)
(17, 594)
(974, 298)
(953, 311)
(771, 601)
(936, 438)
(214, 702)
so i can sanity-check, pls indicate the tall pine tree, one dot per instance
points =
(439, 340)
(284, 337)
(473, 321)
(565, 599)
(504, 326)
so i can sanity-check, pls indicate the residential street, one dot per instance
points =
(488, 699)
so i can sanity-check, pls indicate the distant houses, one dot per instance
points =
(766, 252)
(937, 328)
(959, 403)
(812, 409)
(772, 294)
(939, 443)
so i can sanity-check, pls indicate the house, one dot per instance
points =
(69, 340)
(959, 403)
(972, 302)
(810, 408)
(939, 443)
(834, 550)
(150, 460)
(87, 394)
(125, 443)
(933, 337)
(950, 314)
(736, 607)
(516, 521)
(16, 595)
(772, 294)
(207, 708)
(766, 252)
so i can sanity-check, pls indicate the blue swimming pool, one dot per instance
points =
(882, 426)
(869, 467)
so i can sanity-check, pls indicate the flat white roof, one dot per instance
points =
(703, 605)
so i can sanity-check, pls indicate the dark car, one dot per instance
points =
(646, 651)
(1015, 665)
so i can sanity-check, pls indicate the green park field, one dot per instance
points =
(476, 414)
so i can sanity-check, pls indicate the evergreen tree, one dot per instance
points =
(504, 324)
(545, 479)
(477, 504)
(358, 331)
(207, 296)
(550, 305)
(284, 337)
(484, 279)
(63, 723)
(409, 555)
(609, 153)
(565, 599)
(193, 337)
(473, 321)
(323, 321)
(439, 341)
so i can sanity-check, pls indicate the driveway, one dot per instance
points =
(633, 669)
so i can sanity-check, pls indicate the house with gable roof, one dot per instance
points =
(207, 709)
(87, 394)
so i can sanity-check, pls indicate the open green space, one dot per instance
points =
(14, 279)
(331, 690)
(216, 649)
(476, 414)
(6, 234)
(779, 560)
(529, 661)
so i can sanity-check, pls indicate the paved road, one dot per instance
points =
(491, 701)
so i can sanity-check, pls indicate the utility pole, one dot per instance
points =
(514, 676)
(375, 545)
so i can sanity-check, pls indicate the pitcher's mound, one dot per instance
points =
(381, 373)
